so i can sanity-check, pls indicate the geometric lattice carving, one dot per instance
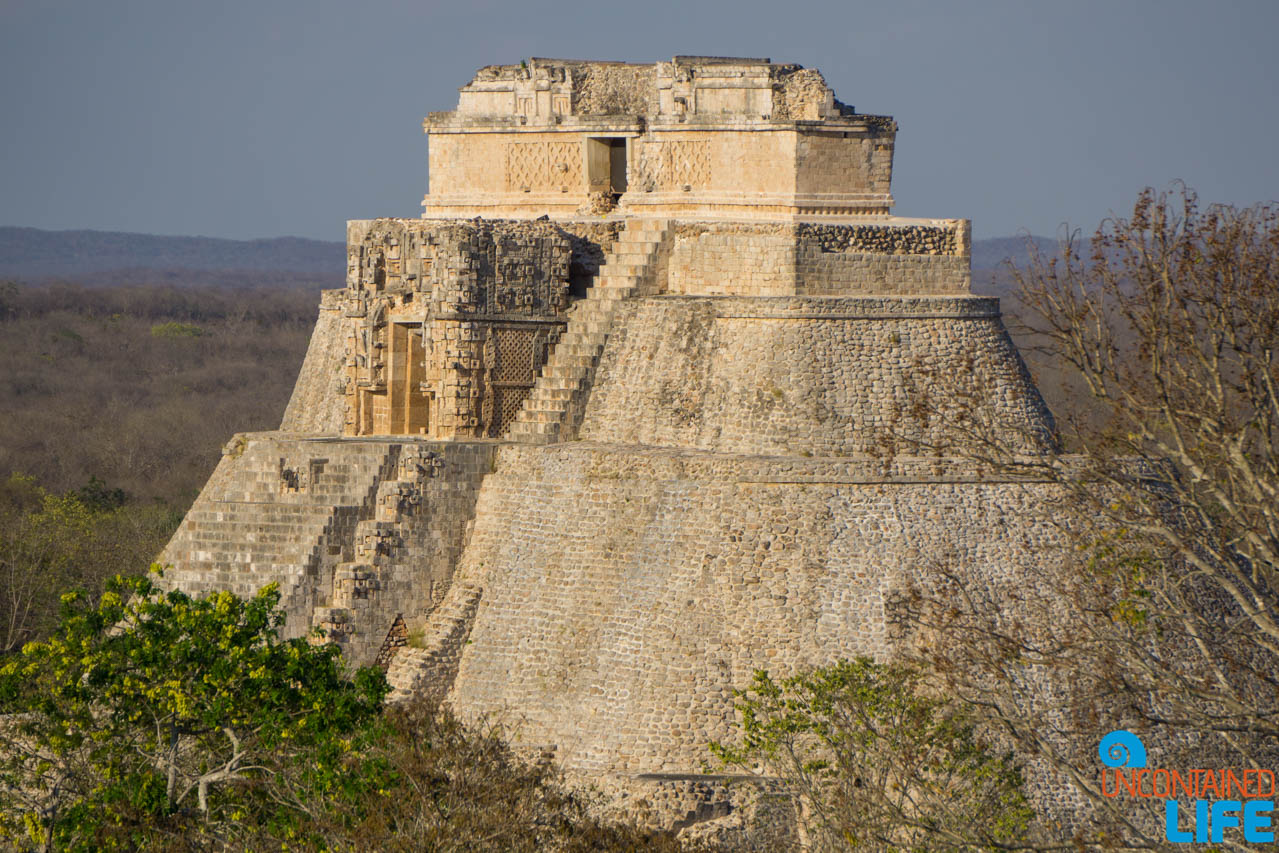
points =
(543, 165)
(509, 402)
(687, 162)
(674, 165)
(514, 355)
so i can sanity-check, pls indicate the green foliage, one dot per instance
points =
(876, 763)
(98, 496)
(53, 543)
(150, 713)
(152, 720)
(176, 330)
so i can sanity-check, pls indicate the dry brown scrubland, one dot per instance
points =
(140, 386)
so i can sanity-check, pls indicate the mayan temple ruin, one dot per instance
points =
(617, 422)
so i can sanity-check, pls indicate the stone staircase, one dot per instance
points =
(399, 556)
(554, 408)
(377, 543)
(278, 515)
(429, 671)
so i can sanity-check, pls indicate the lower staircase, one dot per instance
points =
(356, 581)
(554, 408)
(397, 565)
(429, 671)
(379, 542)
(278, 515)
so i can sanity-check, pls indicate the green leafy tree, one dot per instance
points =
(52, 543)
(43, 540)
(875, 763)
(151, 712)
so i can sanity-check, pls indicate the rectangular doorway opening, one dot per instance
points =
(606, 164)
(617, 165)
(408, 409)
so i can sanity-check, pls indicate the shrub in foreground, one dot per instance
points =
(876, 763)
(154, 720)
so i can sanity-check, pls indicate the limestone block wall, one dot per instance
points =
(732, 259)
(830, 163)
(404, 553)
(626, 591)
(822, 274)
(756, 259)
(821, 377)
(318, 404)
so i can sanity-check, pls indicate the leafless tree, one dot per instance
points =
(1159, 610)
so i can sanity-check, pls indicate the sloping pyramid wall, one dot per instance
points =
(751, 487)
(791, 376)
(749, 492)
(626, 591)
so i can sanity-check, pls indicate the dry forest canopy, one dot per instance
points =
(118, 394)
(139, 385)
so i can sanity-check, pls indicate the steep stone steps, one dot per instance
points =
(377, 540)
(279, 511)
(431, 669)
(552, 411)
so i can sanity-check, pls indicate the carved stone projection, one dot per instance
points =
(447, 324)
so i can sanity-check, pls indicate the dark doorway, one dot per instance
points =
(617, 164)
(606, 164)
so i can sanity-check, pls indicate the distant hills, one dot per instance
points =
(31, 253)
(110, 257)
(991, 254)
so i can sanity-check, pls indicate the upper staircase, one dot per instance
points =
(554, 408)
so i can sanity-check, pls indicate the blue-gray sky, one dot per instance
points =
(265, 118)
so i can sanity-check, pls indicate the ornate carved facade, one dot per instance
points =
(711, 136)
(446, 325)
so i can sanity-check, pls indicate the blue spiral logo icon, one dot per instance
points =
(1122, 748)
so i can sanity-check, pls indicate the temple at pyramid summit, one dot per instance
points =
(619, 421)
(689, 138)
